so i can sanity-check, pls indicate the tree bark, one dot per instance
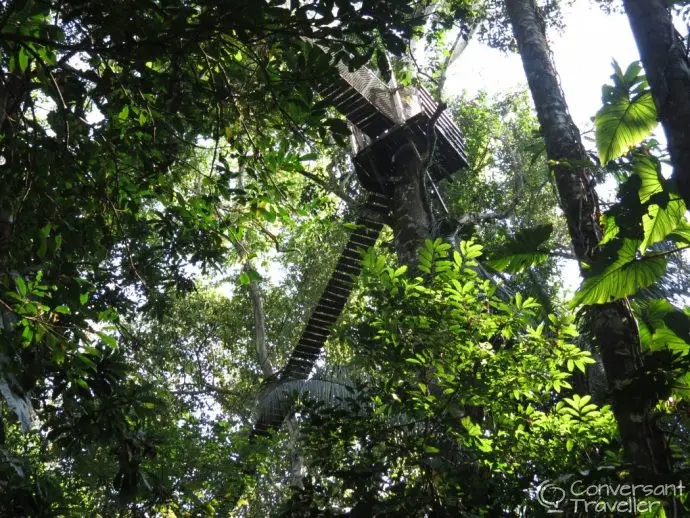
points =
(614, 326)
(259, 323)
(667, 66)
(412, 218)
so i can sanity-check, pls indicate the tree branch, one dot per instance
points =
(259, 324)
(458, 47)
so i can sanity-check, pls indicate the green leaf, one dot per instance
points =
(632, 73)
(383, 65)
(28, 334)
(662, 326)
(484, 445)
(87, 361)
(678, 322)
(21, 286)
(124, 114)
(108, 340)
(682, 233)
(244, 278)
(624, 276)
(58, 355)
(470, 249)
(63, 310)
(45, 231)
(254, 275)
(611, 229)
(659, 222)
(399, 271)
(664, 210)
(627, 117)
(648, 169)
(522, 251)
(650, 317)
(23, 60)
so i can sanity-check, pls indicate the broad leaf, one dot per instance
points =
(627, 117)
(662, 326)
(665, 210)
(610, 227)
(679, 323)
(524, 250)
(623, 277)
(660, 221)
(682, 233)
(648, 169)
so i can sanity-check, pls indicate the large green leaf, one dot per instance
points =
(648, 169)
(662, 325)
(665, 210)
(524, 250)
(682, 233)
(610, 228)
(627, 117)
(660, 221)
(679, 323)
(623, 277)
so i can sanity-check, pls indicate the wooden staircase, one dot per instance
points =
(337, 290)
(331, 303)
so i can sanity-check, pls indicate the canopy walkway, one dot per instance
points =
(381, 120)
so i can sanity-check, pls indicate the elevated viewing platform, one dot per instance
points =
(382, 119)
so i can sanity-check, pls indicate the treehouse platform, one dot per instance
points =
(381, 121)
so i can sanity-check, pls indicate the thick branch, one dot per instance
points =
(459, 46)
(259, 323)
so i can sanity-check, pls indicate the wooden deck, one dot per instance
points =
(370, 107)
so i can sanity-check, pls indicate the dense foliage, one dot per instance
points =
(175, 195)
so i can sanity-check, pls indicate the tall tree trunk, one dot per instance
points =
(614, 325)
(412, 218)
(666, 63)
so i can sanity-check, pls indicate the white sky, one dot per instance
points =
(583, 53)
